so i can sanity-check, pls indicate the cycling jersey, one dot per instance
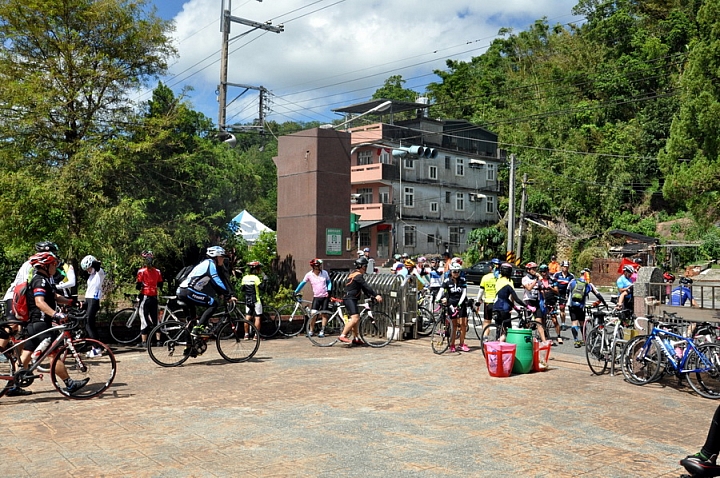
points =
(562, 282)
(435, 278)
(624, 282)
(505, 296)
(94, 284)
(456, 291)
(205, 277)
(320, 283)
(149, 277)
(488, 283)
(40, 286)
(680, 295)
(533, 293)
(355, 285)
(251, 288)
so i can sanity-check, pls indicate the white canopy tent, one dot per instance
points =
(247, 226)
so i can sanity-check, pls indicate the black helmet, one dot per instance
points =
(686, 280)
(506, 269)
(361, 262)
(46, 246)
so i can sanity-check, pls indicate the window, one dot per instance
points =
(447, 162)
(364, 239)
(409, 236)
(432, 172)
(384, 194)
(366, 195)
(490, 172)
(364, 157)
(431, 239)
(490, 202)
(409, 199)
(433, 207)
(460, 202)
(454, 235)
(409, 163)
(459, 167)
(447, 197)
(385, 157)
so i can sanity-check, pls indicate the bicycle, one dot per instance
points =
(601, 345)
(647, 358)
(227, 328)
(526, 320)
(298, 315)
(441, 331)
(125, 325)
(426, 317)
(98, 371)
(475, 321)
(270, 322)
(376, 328)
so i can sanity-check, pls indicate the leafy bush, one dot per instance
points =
(710, 248)
(586, 256)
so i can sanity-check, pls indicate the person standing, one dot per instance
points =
(579, 289)
(487, 293)
(321, 285)
(531, 295)
(455, 287)
(553, 265)
(93, 294)
(250, 284)
(506, 299)
(149, 280)
(354, 286)
(562, 279)
(24, 274)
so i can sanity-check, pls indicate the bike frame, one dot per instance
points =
(658, 335)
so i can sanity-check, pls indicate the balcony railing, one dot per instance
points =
(374, 211)
(374, 173)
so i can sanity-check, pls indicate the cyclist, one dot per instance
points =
(93, 294)
(455, 287)
(549, 297)
(321, 285)
(434, 279)
(531, 294)
(563, 278)
(580, 289)
(506, 298)
(24, 274)
(554, 265)
(42, 299)
(251, 284)
(65, 280)
(149, 280)
(704, 462)
(398, 261)
(625, 289)
(682, 293)
(354, 286)
(487, 291)
(202, 283)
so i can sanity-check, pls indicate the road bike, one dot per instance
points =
(525, 320)
(237, 340)
(125, 325)
(648, 358)
(294, 317)
(602, 345)
(427, 313)
(98, 371)
(377, 329)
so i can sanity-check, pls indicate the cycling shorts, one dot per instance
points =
(320, 303)
(351, 306)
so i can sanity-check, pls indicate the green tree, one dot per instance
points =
(393, 90)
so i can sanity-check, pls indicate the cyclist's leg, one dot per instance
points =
(703, 463)
(577, 314)
(148, 309)
(353, 312)
(462, 323)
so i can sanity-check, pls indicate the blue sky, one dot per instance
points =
(332, 53)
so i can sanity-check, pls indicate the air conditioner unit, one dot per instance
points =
(476, 163)
(471, 197)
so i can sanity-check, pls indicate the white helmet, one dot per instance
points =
(215, 251)
(455, 266)
(87, 262)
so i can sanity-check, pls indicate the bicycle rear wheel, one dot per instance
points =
(440, 336)
(705, 381)
(269, 322)
(597, 351)
(176, 344)
(325, 328)
(641, 360)
(125, 326)
(378, 330)
(475, 322)
(98, 370)
(425, 321)
(231, 342)
(292, 320)
(7, 368)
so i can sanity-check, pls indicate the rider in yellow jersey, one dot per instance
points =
(487, 292)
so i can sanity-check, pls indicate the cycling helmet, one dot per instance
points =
(147, 255)
(405, 255)
(495, 261)
(668, 277)
(316, 262)
(455, 266)
(215, 251)
(361, 262)
(506, 269)
(43, 259)
(87, 262)
(456, 260)
(530, 265)
(686, 280)
(565, 264)
(422, 259)
(360, 253)
(543, 268)
(629, 269)
(367, 249)
(409, 263)
(46, 246)
(254, 264)
(397, 257)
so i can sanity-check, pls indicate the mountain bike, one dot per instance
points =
(125, 325)
(601, 344)
(98, 371)
(377, 329)
(526, 320)
(648, 358)
(226, 328)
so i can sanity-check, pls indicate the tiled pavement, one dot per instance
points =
(299, 410)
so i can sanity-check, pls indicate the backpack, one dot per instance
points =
(578, 292)
(19, 301)
(182, 275)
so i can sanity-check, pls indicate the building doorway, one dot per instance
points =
(383, 244)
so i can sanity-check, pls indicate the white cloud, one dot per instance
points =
(340, 54)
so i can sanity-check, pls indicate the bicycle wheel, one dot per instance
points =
(475, 322)
(292, 319)
(440, 336)
(326, 328)
(269, 322)
(378, 330)
(125, 326)
(490, 333)
(99, 371)
(705, 381)
(641, 360)
(231, 342)
(7, 368)
(176, 344)
(597, 350)
(425, 321)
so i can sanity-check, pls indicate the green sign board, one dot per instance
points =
(333, 241)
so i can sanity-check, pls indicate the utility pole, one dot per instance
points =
(522, 215)
(511, 214)
(225, 20)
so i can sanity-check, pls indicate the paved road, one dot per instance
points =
(298, 410)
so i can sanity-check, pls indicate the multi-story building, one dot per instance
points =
(421, 185)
